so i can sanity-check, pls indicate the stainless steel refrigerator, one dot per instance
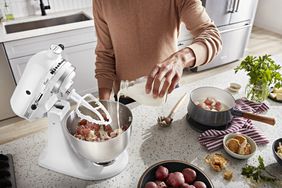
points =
(234, 19)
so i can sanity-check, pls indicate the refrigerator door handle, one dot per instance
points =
(234, 6)
(230, 6)
(234, 29)
(237, 6)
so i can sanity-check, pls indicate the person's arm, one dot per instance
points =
(105, 60)
(205, 46)
(207, 42)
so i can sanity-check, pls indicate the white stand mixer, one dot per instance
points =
(42, 91)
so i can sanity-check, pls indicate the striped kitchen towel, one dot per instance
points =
(212, 139)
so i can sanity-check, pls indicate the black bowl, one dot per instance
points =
(173, 166)
(274, 149)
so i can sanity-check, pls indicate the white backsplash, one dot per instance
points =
(22, 8)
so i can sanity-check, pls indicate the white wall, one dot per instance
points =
(269, 15)
(22, 8)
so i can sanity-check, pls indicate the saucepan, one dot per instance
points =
(219, 118)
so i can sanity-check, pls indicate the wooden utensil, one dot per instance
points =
(166, 121)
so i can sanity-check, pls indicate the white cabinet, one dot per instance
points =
(83, 58)
(79, 51)
(7, 85)
(30, 46)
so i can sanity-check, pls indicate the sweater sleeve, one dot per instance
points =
(207, 42)
(105, 60)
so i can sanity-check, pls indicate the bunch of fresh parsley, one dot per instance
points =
(259, 173)
(263, 72)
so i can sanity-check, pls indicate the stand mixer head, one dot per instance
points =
(47, 79)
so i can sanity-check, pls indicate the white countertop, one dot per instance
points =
(150, 144)
(4, 37)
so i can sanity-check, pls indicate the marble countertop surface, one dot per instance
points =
(150, 144)
(4, 37)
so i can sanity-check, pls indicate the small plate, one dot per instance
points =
(173, 166)
(235, 155)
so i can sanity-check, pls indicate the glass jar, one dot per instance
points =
(8, 12)
(257, 92)
(136, 90)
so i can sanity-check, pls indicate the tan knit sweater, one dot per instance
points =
(135, 35)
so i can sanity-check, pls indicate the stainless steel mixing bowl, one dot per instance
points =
(105, 151)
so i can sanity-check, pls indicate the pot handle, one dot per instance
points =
(252, 116)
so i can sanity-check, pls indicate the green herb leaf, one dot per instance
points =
(261, 164)
(262, 71)
(258, 173)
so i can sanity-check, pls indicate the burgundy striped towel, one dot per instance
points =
(212, 139)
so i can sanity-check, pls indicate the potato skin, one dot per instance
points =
(189, 175)
(175, 179)
(161, 173)
(199, 184)
(185, 185)
(151, 184)
(161, 184)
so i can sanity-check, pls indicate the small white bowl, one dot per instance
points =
(235, 155)
(234, 87)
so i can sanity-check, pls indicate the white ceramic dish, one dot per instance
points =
(235, 155)
(234, 87)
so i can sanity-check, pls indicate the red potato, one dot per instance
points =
(151, 184)
(85, 132)
(204, 106)
(161, 173)
(108, 129)
(83, 122)
(161, 184)
(189, 175)
(218, 106)
(199, 184)
(97, 134)
(95, 127)
(208, 101)
(185, 185)
(175, 179)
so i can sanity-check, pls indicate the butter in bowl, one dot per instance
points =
(276, 94)
(239, 146)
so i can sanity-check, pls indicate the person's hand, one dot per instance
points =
(171, 71)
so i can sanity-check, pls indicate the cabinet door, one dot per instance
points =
(7, 86)
(30, 46)
(83, 58)
(243, 10)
